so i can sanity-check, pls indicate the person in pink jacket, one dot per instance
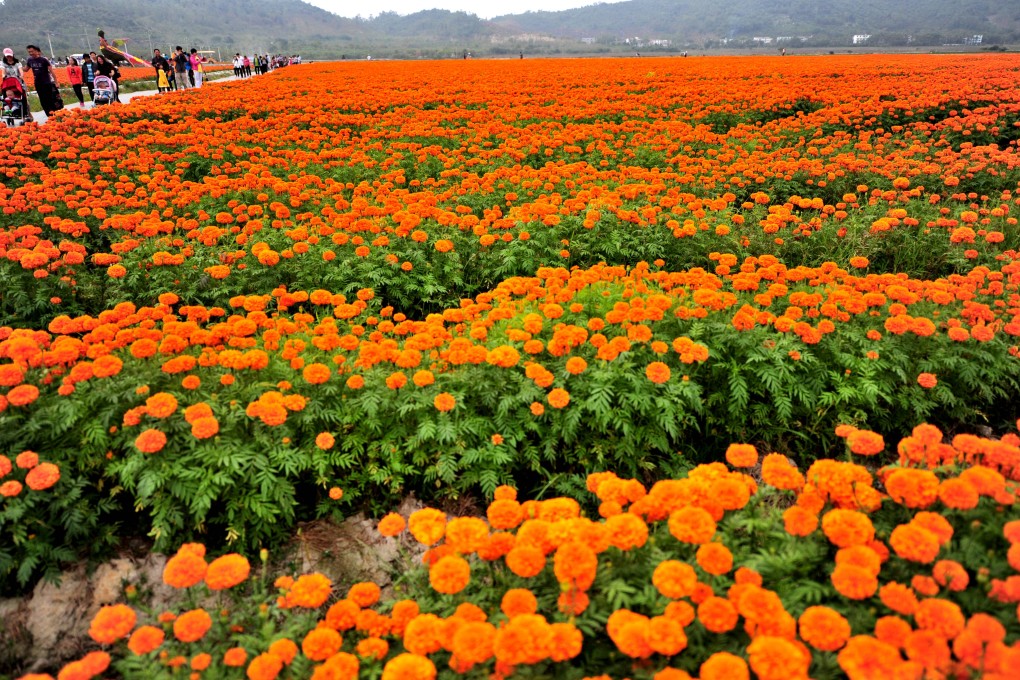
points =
(74, 77)
(196, 60)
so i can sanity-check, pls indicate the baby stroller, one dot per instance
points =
(15, 103)
(104, 90)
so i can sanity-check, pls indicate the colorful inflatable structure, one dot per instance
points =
(116, 54)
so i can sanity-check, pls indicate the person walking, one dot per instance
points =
(195, 60)
(88, 72)
(238, 64)
(45, 79)
(162, 67)
(74, 76)
(105, 67)
(181, 69)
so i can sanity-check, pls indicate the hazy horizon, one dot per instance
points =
(491, 9)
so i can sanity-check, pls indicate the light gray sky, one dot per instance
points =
(485, 10)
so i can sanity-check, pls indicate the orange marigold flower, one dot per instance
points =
(798, 521)
(321, 643)
(692, 524)
(899, 598)
(235, 657)
(942, 616)
(26, 460)
(284, 649)
(409, 667)
(674, 579)
(576, 365)
(777, 471)
(823, 628)
(200, 662)
(427, 525)
(316, 373)
(717, 614)
(517, 602)
(309, 591)
(22, 395)
(865, 442)
(715, 558)
(227, 571)
(915, 543)
(856, 583)
(112, 623)
(265, 667)
(444, 402)
(391, 525)
(161, 405)
(952, 575)
(150, 441)
(724, 666)
(927, 380)
(373, 648)
(450, 575)
(504, 513)
(776, 658)
(422, 634)
(626, 531)
(958, 494)
(912, 488)
(844, 528)
(657, 372)
(575, 564)
(10, 489)
(742, 455)
(145, 640)
(865, 657)
(42, 476)
(892, 630)
(185, 569)
(364, 594)
(558, 398)
(336, 493)
(204, 427)
(526, 561)
(192, 625)
(325, 441)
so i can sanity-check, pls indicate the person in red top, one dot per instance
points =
(74, 77)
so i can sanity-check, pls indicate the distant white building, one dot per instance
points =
(764, 40)
(660, 43)
(973, 40)
(784, 38)
(861, 38)
(588, 41)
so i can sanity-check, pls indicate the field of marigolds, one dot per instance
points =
(722, 352)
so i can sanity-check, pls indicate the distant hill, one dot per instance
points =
(832, 22)
(292, 26)
(283, 26)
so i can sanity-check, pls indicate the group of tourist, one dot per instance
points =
(47, 82)
(178, 71)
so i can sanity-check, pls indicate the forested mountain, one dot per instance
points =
(290, 26)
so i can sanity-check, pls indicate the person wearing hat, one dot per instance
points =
(12, 67)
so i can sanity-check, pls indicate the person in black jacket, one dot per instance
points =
(88, 73)
(162, 66)
(105, 67)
